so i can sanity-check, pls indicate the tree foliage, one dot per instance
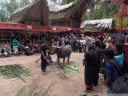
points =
(66, 1)
(7, 7)
(69, 1)
(102, 10)
(99, 10)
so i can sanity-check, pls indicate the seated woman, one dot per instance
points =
(6, 49)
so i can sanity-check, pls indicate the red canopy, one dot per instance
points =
(19, 26)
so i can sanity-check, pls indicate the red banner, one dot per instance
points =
(19, 26)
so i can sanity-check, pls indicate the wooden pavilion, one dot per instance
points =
(26, 21)
(40, 16)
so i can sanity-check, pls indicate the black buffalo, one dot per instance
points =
(62, 52)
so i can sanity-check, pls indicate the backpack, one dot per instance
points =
(116, 65)
(124, 68)
(121, 71)
(120, 85)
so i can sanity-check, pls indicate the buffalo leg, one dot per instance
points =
(58, 60)
(63, 60)
(68, 59)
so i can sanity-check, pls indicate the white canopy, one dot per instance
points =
(105, 23)
(55, 7)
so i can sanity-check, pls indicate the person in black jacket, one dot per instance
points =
(44, 47)
(100, 56)
(90, 62)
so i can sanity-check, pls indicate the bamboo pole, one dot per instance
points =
(121, 25)
(17, 74)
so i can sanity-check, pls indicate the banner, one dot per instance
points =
(124, 23)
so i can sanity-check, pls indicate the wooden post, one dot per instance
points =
(58, 23)
(0, 35)
(121, 26)
(66, 22)
(19, 35)
(71, 22)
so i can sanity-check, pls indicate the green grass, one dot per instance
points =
(14, 71)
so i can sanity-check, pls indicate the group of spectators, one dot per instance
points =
(103, 53)
(7, 47)
(16, 47)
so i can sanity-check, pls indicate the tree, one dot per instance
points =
(23, 3)
(9, 6)
(66, 1)
(3, 16)
(117, 2)
(102, 10)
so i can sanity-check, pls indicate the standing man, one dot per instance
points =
(99, 57)
(111, 72)
(44, 47)
(15, 44)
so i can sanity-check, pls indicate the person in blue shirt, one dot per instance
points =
(119, 55)
(111, 73)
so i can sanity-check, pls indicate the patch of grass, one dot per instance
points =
(14, 71)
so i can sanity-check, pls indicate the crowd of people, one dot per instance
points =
(104, 54)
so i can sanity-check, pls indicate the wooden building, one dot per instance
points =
(69, 15)
(32, 14)
(25, 22)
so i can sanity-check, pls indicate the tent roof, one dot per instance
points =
(104, 23)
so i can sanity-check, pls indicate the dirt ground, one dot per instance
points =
(68, 83)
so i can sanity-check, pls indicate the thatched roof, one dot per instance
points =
(97, 25)
(55, 7)
(37, 10)
(67, 11)
(61, 14)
